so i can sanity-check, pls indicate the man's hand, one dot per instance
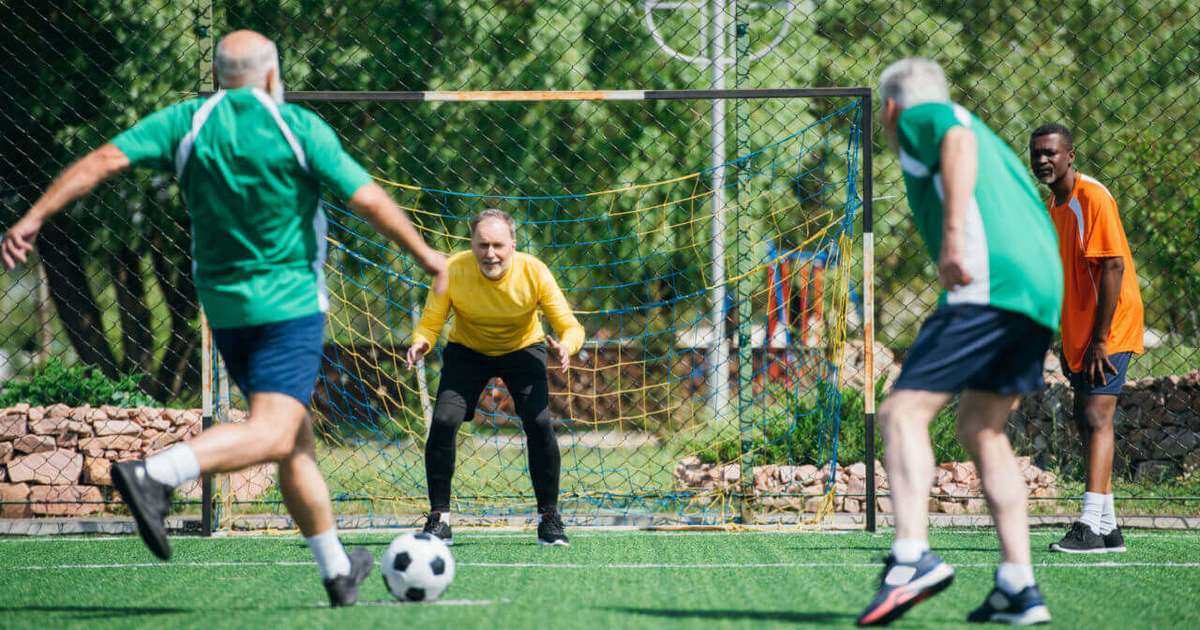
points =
(952, 270)
(434, 264)
(416, 351)
(1096, 365)
(564, 357)
(18, 240)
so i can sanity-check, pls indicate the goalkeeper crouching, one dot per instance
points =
(495, 293)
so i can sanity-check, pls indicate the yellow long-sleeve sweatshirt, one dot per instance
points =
(495, 317)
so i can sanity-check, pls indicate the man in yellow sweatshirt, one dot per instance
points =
(495, 293)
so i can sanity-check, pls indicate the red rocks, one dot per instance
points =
(65, 500)
(12, 427)
(59, 468)
(6, 451)
(10, 496)
(117, 427)
(34, 444)
(957, 491)
(97, 471)
(97, 445)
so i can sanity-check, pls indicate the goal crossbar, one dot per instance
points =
(570, 95)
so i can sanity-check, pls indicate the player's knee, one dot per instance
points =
(539, 422)
(1094, 419)
(445, 421)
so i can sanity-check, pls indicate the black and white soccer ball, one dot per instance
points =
(417, 567)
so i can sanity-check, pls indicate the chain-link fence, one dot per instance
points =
(111, 287)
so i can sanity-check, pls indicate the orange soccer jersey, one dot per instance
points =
(1089, 228)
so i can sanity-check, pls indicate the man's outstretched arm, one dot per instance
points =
(76, 181)
(374, 204)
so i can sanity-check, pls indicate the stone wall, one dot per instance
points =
(956, 486)
(1157, 425)
(54, 461)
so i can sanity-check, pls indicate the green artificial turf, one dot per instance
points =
(605, 579)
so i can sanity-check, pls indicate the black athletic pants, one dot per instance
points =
(465, 373)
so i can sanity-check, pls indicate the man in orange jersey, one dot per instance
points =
(1101, 322)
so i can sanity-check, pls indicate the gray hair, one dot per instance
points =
(494, 213)
(250, 67)
(912, 81)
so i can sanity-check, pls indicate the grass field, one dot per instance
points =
(620, 579)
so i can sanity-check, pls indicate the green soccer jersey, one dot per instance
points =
(1011, 250)
(252, 172)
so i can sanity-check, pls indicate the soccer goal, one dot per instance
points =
(722, 274)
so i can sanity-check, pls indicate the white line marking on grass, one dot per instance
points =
(439, 602)
(622, 566)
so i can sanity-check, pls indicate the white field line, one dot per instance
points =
(616, 566)
(467, 534)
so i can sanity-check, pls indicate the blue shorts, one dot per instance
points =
(1112, 383)
(280, 357)
(971, 346)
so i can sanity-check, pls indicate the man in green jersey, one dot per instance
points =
(252, 170)
(982, 223)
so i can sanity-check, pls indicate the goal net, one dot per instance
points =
(722, 372)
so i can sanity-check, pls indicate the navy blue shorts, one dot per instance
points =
(280, 357)
(971, 346)
(1113, 382)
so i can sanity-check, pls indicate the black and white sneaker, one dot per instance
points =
(1114, 542)
(435, 527)
(1080, 539)
(343, 589)
(1023, 609)
(550, 530)
(148, 500)
(903, 585)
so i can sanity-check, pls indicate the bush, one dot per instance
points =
(75, 386)
(795, 432)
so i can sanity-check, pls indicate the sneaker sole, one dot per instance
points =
(935, 582)
(553, 543)
(1033, 616)
(1120, 549)
(160, 548)
(1059, 549)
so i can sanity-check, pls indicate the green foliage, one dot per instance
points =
(75, 386)
(795, 433)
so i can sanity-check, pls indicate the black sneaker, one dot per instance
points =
(435, 526)
(1114, 542)
(903, 585)
(148, 500)
(1023, 609)
(1080, 539)
(343, 589)
(550, 530)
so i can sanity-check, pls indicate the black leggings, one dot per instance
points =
(465, 373)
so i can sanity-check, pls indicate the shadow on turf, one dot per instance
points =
(100, 612)
(786, 616)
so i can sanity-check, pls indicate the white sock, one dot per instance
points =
(1108, 517)
(1012, 578)
(444, 517)
(1093, 507)
(174, 466)
(909, 550)
(331, 556)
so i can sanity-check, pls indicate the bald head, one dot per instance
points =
(246, 58)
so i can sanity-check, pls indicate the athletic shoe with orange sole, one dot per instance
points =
(903, 585)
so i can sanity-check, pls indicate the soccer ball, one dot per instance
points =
(417, 567)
